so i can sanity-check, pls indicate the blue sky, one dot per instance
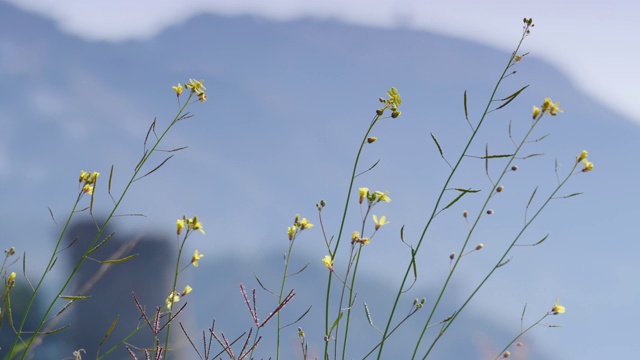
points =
(278, 132)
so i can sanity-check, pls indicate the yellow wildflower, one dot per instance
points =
(536, 112)
(194, 224)
(380, 222)
(180, 225)
(195, 86)
(557, 308)
(305, 224)
(202, 96)
(551, 107)
(328, 262)
(172, 298)
(372, 139)
(382, 196)
(583, 155)
(187, 289)
(196, 256)
(88, 189)
(364, 192)
(364, 241)
(84, 176)
(291, 231)
(355, 236)
(588, 165)
(177, 89)
(11, 280)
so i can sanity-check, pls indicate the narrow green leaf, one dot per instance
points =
(467, 190)
(532, 195)
(118, 261)
(74, 297)
(454, 201)
(64, 307)
(571, 195)
(466, 113)
(413, 264)
(496, 156)
(523, 310)
(56, 330)
(113, 325)
(110, 178)
(511, 97)
(504, 263)
(437, 144)
(543, 239)
(402, 233)
(336, 321)
(532, 155)
(486, 158)
(100, 244)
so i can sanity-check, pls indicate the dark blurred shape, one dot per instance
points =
(110, 287)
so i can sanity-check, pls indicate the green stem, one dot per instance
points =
(440, 196)
(335, 249)
(504, 256)
(284, 280)
(94, 241)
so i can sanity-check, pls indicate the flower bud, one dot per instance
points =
(479, 246)
(452, 256)
(372, 139)
(514, 168)
(500, 188)
(490, 212)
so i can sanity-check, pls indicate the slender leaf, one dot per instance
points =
(74, 297)
(511, 97)
(437, 144)
(466, 113)
(543, 239)
(118, 261)
(113, 325)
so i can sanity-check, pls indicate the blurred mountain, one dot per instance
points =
(288, 105)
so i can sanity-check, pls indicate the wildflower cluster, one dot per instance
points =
(174, 297)
(393, 102)
(298, 225)
(375, 197)
(548, 107)
(557, 308)
(190, 224)
(195, 86)
(588, 165)
(89, 180)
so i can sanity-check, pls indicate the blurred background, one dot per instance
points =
(292, 88)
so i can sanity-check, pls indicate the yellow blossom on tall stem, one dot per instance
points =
(291, 231)
(557, 308)
(194, 224)
(196, 256)
(363, 192)
(382, 196)
(583, 155)
(380, 222)
(172, 298)
(177, 89)
(328, 262)
(187, 289)
(305, 224)
(11, 280)
(536, 112)
(179, 225)
(588, 165)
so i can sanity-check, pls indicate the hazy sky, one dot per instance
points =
(587, 41)
(592, 41)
